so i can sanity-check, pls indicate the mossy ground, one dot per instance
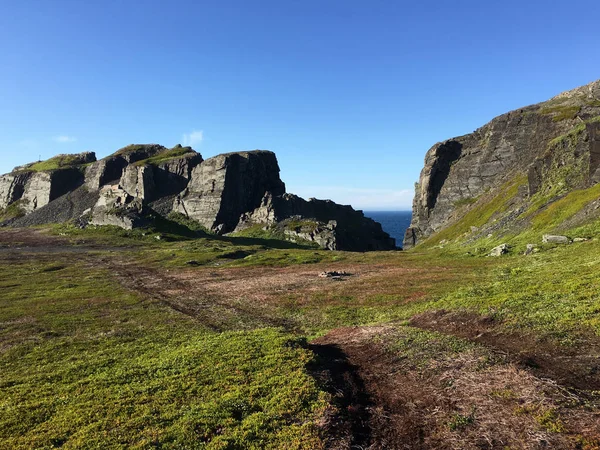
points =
(88, 360)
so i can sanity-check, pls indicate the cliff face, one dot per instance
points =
(226, 186)
(229, 192)
(531, 140)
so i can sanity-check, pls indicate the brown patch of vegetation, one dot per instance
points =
(466, 401)
(575, 366)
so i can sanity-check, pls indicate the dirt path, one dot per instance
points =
(386, 400)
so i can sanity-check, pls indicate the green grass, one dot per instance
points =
(561, 112)
(488, 205)
(12, 211)
(86, 364)
(465, 201)
(57, 162)
(174, 153)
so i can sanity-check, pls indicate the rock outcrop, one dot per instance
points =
(34, 185)
(537, 140)
(118, 208)
(330, 225)
(226, 186)
(226, 193)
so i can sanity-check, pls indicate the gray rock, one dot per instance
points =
(555, 239)
(116, 207)
(578, 239)
(465, 168)
(529, 249)
(226, 186)
(499, 250)
(332, 226)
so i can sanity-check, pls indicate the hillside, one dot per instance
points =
(522, 172)
(206, 329)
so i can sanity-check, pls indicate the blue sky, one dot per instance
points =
(349, 94)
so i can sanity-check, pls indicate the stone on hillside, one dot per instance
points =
(529, 249)
(580, 239)
(116, 207)
(36, 189)
(555, 239)
(499, 250)
(480, 164)
(332, 226)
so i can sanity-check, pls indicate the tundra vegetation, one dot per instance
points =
(179, 335)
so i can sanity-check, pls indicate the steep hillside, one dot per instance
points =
(505, 177)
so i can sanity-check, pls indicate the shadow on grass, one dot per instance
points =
(335, 374)
(176, 230)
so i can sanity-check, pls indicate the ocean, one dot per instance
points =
(394, 223)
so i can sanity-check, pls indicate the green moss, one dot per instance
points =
(57, 162)
(85, 363)
(465, 201)
(561, 112)
(12, 211)
(487, 206)
(129, 149)
(174, 153)
(565, 208)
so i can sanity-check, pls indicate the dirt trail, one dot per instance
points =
(387, 401)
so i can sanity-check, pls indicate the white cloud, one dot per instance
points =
(360, 198)
(193, 138)
(64, 139)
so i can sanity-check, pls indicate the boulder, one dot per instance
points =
(529, 249)
(555, 239)
(499, 250)
(118, 208)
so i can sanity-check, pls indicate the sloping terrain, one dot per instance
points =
(507, 173)
(129, 341)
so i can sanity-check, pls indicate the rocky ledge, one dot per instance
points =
(229, 193)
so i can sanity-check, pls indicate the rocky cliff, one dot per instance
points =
(226, 186)
(228, 193)
(554, 145)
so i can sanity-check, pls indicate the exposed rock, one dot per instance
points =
(334, 274)
(153, 180)
(332, 226)
(116, 207)
(36, 189)
(229, 192)
(554, 239)
(529, 249)
(460, 171)
(226, 186)
(499, 250)
(579, 239)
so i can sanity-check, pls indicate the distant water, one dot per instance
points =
(394, 223)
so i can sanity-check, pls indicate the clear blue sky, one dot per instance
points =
(349, 94)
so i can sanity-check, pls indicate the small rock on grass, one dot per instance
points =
(500, 250)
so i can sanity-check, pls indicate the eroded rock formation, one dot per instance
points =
(226, 193)
(225, 187)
